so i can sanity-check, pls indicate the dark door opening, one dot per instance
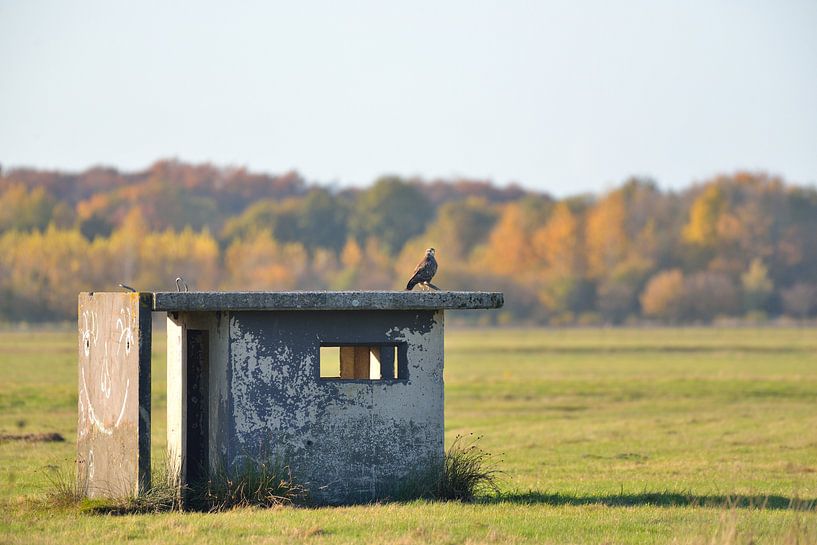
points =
(198, 403)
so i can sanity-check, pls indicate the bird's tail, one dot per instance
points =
(411, 284)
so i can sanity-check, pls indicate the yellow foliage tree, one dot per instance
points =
(559, 251)
(122, 251)
(260, 263)
(606, 235)
(663, 296)
(352, 254)
(375, 271)
(164, 256)
(46, 269)
(557, 245)
(704, 216)
(508, 250)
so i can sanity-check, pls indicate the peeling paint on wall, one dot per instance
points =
(346, 439)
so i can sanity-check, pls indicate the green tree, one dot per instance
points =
(321, 220)
(281, 219)
(391, 211)
(459, 227)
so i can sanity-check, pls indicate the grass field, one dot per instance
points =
(605, 436)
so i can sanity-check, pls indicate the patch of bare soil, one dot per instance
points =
(51, 437)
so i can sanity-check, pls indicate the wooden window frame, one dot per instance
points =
(356, 361)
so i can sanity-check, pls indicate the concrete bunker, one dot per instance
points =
(346, 388)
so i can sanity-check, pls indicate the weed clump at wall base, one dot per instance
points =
(251, 484)
(64, 488)
(466, 472)
(161, 496)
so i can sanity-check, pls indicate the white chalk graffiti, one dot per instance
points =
(105, 381)
(83, 421)
(92, 417)
(125, 331)
(88, 416)
(90, 332)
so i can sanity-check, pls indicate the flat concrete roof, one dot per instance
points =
(325, 300)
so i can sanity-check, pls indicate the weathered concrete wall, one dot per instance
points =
(113, 425)
(348, 440)
(255, 364)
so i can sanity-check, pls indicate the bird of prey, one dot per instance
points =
(424, 272)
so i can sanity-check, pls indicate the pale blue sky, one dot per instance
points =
(561, 96)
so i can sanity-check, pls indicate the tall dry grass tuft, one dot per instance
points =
(250, 484)
(163, 495)
(65, 488)
(257, 484)
(466, 472)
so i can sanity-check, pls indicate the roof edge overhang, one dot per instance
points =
(199, 301)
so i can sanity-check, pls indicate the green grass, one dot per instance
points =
(604, 436)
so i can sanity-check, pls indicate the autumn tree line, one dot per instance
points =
(743, 245)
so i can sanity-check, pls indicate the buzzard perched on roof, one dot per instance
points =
(424, 272)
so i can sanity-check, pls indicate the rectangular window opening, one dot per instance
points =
(363, 361)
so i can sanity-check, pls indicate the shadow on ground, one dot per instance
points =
(658, 499)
